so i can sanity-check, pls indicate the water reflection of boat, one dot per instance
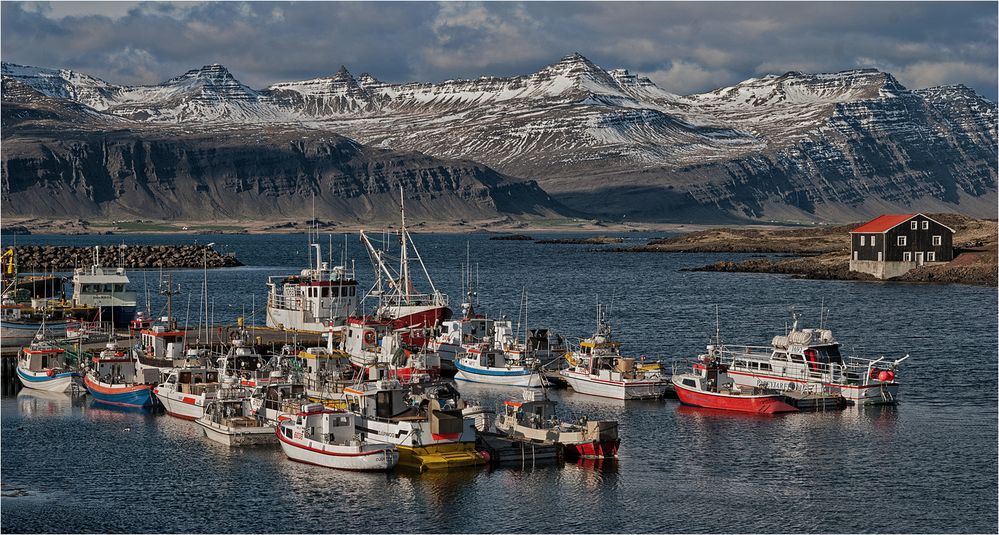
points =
(42, 402)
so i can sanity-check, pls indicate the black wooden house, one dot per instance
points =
(890, 245)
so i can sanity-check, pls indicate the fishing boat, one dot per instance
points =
(186, 391)
(534, 419)
(710, 387)
(19, 321)
(425, 423)
(381, 351)
(106, 290)
(42, 366)
(229, 420)
(313, 300)
(810, 359)
(485, 364)
(327, 437)
(398, 299)
(112, 379)
(597, 368)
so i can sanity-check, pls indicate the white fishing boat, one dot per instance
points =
(186, 391)
(534, 419)
(811, 360)
(597, 368)
(327, 437)
(426, 424)
(381, 351)
(485, 364)
(42, 366)
(106, 290)
(313, 300)
(229, 420)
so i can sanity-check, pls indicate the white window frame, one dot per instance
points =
(931, 256)
(880, 256)
(862, 237)
(937, 240)
(874, 240)
(925, 225)
(914, 225)
(907, 256)
(855, 256)
(901, 241)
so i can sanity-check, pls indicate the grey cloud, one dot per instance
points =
(687, 47)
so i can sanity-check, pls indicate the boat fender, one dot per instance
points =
(485, 455)
(369, 337)
(791, 386)
(885, 376)
(50, 373)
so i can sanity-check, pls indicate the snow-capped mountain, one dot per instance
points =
(611, 142)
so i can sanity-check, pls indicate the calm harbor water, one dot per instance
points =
(927, 465)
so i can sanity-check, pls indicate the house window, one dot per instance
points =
(862, 240)
(880, 256)
(931, 256)
(926, 225)
(907, 256)
(937, 240)
(855, 254)
(874, 240)
(913, 225)
(901, 240)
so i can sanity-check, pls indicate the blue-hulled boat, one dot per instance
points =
(112, 379)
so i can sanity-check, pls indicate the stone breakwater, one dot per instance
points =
(53, 257)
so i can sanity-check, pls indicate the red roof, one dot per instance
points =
(884, 223)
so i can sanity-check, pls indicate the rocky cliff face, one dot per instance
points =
(837, 146)
(61, 159)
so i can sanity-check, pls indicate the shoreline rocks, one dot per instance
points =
(50, 257)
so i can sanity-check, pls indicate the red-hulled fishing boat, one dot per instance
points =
(709, 386)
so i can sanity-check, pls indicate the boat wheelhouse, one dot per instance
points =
(597, 368)
(426, 424)
(106, 290)
(327, 437)
(318, 297)
(811, 360)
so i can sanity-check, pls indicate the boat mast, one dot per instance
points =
(403, 259)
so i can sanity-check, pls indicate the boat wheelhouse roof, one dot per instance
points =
(47, 350)
(590, 343)
(162, 333)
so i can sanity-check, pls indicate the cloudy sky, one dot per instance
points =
(684, 47)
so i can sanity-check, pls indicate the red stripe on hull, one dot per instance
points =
(182, 417)
(284, 439)
(753, 404)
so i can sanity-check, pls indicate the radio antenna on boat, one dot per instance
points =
(822, 309)
(717, 328)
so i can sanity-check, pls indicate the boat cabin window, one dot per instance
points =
(690, 383)
(765, 366)
(829, 354)
(797, 358)
(172, 380)
(780, 356)
(119, 288)
(287, 432)
(383, 404)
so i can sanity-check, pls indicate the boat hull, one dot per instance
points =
(120, 316)
(762, 404)
(592, 450)
(872, 394)
(516, 377)
(238, 437)
(60, 382)
(585, 384)
(138, 396)
(180, 405)
(340, 457)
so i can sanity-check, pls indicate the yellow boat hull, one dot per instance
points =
(440, 456)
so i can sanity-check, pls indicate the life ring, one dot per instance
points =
(369, 337)
(50, 373)
(298, 302)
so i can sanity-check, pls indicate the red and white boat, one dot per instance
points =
(381, 351)
(710, 387)
(326, 437)
(534, 419)
(398, 300)
(186, 391)
(311, 301)
(810, 360)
